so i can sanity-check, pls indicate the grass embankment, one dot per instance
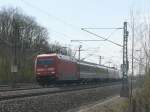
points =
(140, 100)
(142, 96)
(24, 74)
(115, 104)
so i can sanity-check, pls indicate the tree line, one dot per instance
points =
(21, 39)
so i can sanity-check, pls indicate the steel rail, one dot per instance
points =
(61, 90)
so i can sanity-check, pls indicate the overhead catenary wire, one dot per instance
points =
(85, 40)
(74, 27)
(103, 28)
(91, 54)
(111, 34)
(51, 15)
(65, 36)
(64, 22)
(104, 39)
(61, 20)
(101, 37)
(96, 40)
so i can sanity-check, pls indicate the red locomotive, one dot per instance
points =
(50, 68)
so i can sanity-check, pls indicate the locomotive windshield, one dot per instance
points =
(45, 62)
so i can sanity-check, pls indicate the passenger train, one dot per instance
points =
(52, 68)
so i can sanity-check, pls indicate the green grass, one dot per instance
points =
(25, 73)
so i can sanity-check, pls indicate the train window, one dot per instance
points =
(101, 70)
(45, 61)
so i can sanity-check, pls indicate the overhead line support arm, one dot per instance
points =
(101, 37)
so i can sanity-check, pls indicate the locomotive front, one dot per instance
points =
(45, 69)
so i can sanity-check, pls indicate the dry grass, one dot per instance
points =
(116, 104)
(142, 96)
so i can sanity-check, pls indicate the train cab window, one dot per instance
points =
(45, 62)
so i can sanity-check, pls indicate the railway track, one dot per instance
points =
(14, 94)
(19, 86)
(17, 89)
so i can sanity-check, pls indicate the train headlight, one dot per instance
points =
(53, 72)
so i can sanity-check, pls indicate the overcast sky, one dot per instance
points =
(65, 18)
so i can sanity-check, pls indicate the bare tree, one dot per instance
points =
(21, 39)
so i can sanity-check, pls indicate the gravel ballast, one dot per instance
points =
(59, 102)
